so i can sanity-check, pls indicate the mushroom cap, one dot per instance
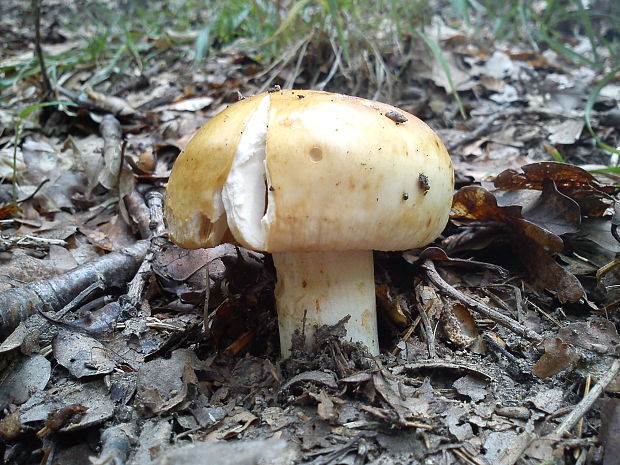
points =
(303, 170)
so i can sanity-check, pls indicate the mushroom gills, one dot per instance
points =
(245, 194)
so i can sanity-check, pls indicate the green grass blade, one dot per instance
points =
(203, 42)
(333, 10)
(564, 50)
(609, 169)
(292, 15)
(590, 104)
(26, 111)
(434, 47)
(587, 25)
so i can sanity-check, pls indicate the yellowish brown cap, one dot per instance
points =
(301, 170)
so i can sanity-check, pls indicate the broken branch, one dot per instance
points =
(494, 315)
(525, 439)
(6, 242)
(113, 270)
(588, 400)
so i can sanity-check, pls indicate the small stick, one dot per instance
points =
(112, 133)
(428, 331)
(83, 102)
(113, 269)
(77, 300)
(6, 242)
(492, 342)
(588, 400)
(408, 334)
(485, 310)
(154, 200)
(586, 390)
(36, 10)
(525, 439)
(139, 212)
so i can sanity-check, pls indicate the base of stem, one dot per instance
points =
(321, 288)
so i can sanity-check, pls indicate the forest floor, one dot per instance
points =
(499, 341)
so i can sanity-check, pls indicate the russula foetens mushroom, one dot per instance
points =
(319, 180)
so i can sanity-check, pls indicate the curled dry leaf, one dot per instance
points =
(459, 325)
(430, 301)
(535, 245)
(436, 254)
(113, 104)
(232, 426)
(66, 415)
(325, 408)
(316, 377)
(553, 210)
(392, 306)
(401, 398)
(593, 197)
(558, 356)
(568, 178)
(157, 393)
(147, 161)
(111, 132)
(472, 387)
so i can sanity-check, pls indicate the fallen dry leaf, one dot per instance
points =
(568, 178)
(534, 245)
(558, 357)
(459, 325)
(573, 181)
(599, 336)
(325, 408)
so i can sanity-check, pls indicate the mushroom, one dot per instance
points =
(319, 180)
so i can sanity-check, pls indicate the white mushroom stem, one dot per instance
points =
(321, 288)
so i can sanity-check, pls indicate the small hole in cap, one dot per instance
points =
(316, 154)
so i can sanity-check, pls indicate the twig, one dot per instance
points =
(428, 331)
(81, 101)
(138, 212)
(407, 334)
(545, 314)
(116, 444)
(114, 270)
(78, 300)
(525, 439)
(462, 453)
(36, 191)
(494, 315)
(36, 10)
(111, 132)
(492, 342)
(6, 242)
(154, 200)
(586, 390)
(588, 400)
(441, 365)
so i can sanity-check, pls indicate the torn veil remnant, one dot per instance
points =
(318, 182)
